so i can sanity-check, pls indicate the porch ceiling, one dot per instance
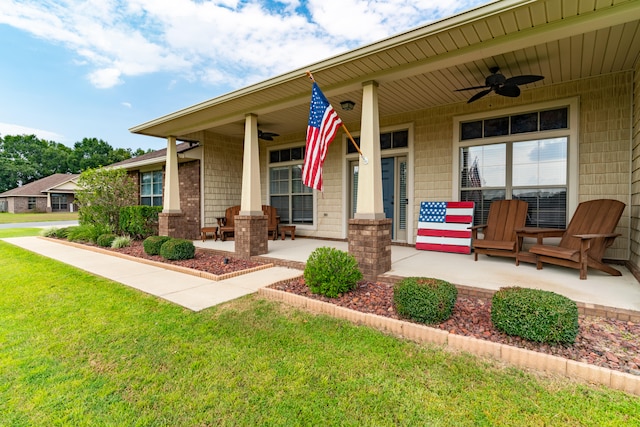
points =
(563, 40)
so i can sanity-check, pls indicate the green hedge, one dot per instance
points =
(175, 249)
(425, 300)
(535, 315)
(330, 272)
(152, 244)
(139, 222)
(105, 240)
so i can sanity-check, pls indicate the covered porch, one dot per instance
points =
(599, 292)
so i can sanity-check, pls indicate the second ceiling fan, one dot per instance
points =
(498, 83)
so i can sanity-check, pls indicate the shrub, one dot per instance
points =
(175, 249)
(152, 244)
(105, 240)
(535, 315)
(330, 272)
(424, 300)
(139, 221)
(49, 232)
(121, 242)
(86, 233)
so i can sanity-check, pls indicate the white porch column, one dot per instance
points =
(171, 197)
(250, 202)
(369, 205)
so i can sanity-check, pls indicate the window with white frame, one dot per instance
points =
(287, 193)
(519, 156)
(151, 188)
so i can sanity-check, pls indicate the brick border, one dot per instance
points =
(424, 334)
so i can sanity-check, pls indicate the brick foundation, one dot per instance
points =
(251, 237)
(171, 224)
(370, 244)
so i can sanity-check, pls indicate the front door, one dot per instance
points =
(388, 190)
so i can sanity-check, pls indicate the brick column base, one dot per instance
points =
(172, 224)
(370, 244)
(251, 237)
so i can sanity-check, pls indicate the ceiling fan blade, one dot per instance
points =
(510, 90)
(523, 80)
(471, 88)
(478, 95)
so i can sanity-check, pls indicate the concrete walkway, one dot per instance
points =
(194, 293)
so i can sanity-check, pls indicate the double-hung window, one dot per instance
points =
(292, 199)
(151, 188)
(517, 156)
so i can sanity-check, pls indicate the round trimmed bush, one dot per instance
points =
(424, 299)
(105, 240)
(536, 315)
(152, 244)
(331, 272)
(175, 249)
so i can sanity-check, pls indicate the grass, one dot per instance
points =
(76, 349)
(11, 218)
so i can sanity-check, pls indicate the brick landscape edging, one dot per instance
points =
(166, 266)
(424, 334)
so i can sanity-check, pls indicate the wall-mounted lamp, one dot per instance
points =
(347, 105)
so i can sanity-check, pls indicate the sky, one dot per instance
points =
(76, 69)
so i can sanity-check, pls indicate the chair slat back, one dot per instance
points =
(503, 219)
(230, 214)
(599, 216)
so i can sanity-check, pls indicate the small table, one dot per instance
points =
(539, 234)
(205, 230)
(284, 229)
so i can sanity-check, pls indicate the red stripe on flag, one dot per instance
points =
(460, 205)
(444, 233)
(465, 219)
(444, 248)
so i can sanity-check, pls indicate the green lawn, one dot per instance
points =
(80, 350)
(10, 218)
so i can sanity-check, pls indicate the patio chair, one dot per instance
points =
(272, 220)
(505, 216)
(583, 243)
(226, 223)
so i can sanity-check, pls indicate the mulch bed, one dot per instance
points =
(608, 343)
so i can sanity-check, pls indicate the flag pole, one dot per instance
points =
(364, 159)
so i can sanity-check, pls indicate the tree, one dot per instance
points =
(102, 193)
(95, 153)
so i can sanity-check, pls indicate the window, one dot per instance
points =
(520, 155)
(59, 202)
(292, 199)
(388, 141)
(151, 188)
(31, 203)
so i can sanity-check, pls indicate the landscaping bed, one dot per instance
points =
(608, 343)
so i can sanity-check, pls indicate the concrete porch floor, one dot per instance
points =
(490, 273)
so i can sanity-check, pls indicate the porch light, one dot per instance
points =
(347, 105)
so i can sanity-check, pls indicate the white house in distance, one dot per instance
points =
(555, 141)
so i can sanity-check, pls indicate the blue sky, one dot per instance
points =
(92, 69)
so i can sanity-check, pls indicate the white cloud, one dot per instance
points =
(126, 104)
(221, 42)
(13, 129)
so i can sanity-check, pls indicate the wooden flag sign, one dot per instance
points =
(444, 227)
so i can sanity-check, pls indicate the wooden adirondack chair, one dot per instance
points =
(589, 234)
(272, 220)
(226, 223)
(500, 239)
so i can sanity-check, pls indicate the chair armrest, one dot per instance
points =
(477, 227)
(595, 236)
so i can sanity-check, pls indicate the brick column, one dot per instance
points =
(172, 224)
(250, 235)
(370, 244)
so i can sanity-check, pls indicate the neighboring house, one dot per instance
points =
(55, 193)
(148, 172)
(570, 137)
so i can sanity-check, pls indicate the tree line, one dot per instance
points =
(26, 158)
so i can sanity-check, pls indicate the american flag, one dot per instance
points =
(444, 227)
(323, 126)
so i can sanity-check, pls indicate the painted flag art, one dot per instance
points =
(444, 227)
(323, 126)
